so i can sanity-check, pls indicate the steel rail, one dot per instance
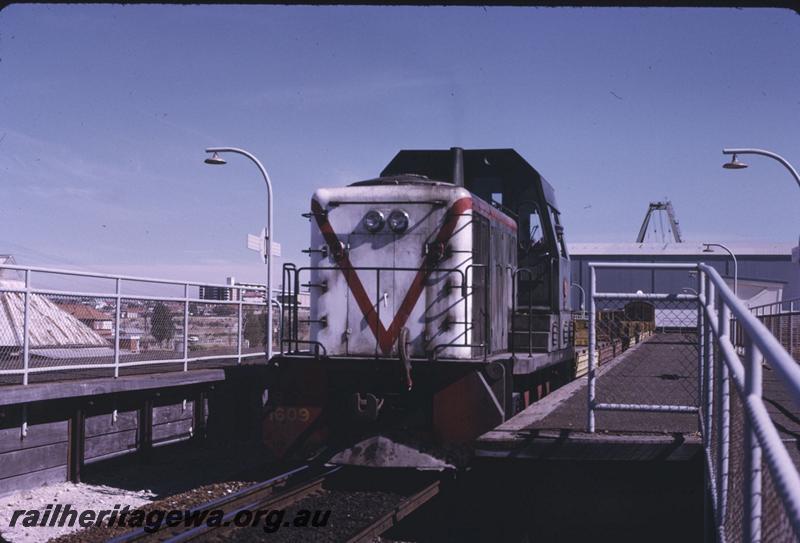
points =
(268, 487)
(272, 501)
(398, 513)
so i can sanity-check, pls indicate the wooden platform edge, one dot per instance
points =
(19, 394)
(597, 448)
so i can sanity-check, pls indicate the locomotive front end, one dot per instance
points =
(399, 323)
(389, 270)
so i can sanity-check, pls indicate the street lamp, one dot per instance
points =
(215, 159)
(583, 297)
(708, 249)
(736, 165)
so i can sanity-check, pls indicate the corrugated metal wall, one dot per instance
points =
(751, 267)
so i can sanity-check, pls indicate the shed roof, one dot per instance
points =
(689, 248)
(85, 312)
(48, 325)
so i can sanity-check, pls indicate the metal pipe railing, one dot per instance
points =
(592, 404)
(762, 442)
(40, 313)
(726, 367)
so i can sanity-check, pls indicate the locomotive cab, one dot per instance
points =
(542, 319)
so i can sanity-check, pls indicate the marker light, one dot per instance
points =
(374, 220)
(398, 221)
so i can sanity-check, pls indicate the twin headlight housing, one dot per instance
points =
(374, 221)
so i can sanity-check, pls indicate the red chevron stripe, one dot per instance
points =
(387, 338)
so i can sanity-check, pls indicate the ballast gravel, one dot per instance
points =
(80, 497)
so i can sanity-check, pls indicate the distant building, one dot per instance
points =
(130, 339)
(254, 292)
(100, 322)
(216, 293)
(765, 269)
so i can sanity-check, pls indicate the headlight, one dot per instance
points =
(373, 221)
(398, 221)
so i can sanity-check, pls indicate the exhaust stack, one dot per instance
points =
(458, 166)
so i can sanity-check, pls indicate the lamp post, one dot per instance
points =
(215, 159)
(583, 297)
(736, 165)
(708, 249)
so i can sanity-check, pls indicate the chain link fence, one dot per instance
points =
(654, 386)
(706, 357)
(664, 370)
(783, 320)
(750, 419)
(59, 324)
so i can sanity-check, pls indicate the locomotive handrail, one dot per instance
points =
(291, 287)
(487, 329)
(468, 325)
(514, 308)
(309, 342)
(291, 284)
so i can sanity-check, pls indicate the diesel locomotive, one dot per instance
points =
(439, 303)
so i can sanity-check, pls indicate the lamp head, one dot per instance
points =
(708, 248)
(734, 164)
(215, 159)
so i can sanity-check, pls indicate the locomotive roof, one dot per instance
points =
(508, 172)
(402, 179)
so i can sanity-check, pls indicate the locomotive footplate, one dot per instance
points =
(318, 401)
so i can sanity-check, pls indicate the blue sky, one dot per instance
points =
(105, 112)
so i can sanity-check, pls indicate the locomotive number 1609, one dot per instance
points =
(289, 414)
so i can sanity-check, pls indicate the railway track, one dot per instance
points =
(372, 505)
(396, 514)
(276, 492)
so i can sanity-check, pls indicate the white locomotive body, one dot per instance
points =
(397, 254)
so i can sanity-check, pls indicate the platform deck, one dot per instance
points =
(660, 370)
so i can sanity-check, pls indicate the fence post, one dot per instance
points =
(592, 349)
(702, 348)
(239, 330)
(26, 355)
(752, 450)
(708, 353)
(701, 331)
(723, 428)
(117, 313)
(185, 326)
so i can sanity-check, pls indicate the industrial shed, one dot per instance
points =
(767, 271)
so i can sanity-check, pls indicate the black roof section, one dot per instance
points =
(485, 171)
